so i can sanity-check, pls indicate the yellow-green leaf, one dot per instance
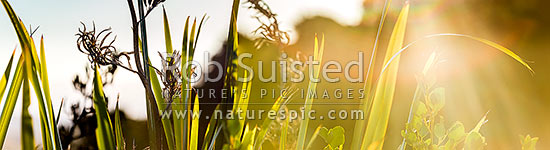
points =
(120, 144)
(34, 78)
(46, 88)
(27, 138)
(318, 55)
(167, 37)
(104, 131)
(314, 136)
(265, 124)
(195, 124)
(11, 99)
(248, 138)
(485, 41)
(474, 141)
(383, 98)
(284, 131)
(6, 76)
(242, 104)
(166, 123)
(211, 128)
(359, 130)
(528, 142)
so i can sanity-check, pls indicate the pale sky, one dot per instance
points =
(60, 20)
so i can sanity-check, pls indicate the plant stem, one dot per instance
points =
(156, 136)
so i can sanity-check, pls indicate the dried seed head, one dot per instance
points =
(100, 51)
(270, 26)
(170, 75)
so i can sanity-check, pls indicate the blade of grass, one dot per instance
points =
(167, 37)
(27, 138)
(37, 67)
(121, 145)
(418, 91)
(104, 131)
(199, 30)
(192, 40)
(267, 122)
(59, 110)
(46, 88)
(485, 41)
(181, 124)
(502, 49)
(383, 98)
(480, 123)
(241, 106)
(32, 64)
(367, 87)
(10, 102)
(166, 123)
(189, 46)
(34, 78)
(318, 55)
(31, 67)
(189, 50)
(195, 125)
(248, 139)
(313, 137)
(230, 51)
(19, 28)
(6, 76)
(284, 130)
(185, 43)
(177, 128)
(210, 131)
(217, 132)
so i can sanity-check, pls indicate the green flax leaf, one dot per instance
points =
(6, 76)
(104, 132)
(120, 144)
(180, 124)
(166, 123)
(32, 76)
(248, 138)
(27, 138)
(32, 66)
(11, 99)
(195, 125)
(167, 37)
(46, 88)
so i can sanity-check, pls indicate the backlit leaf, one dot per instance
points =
(120, 144)
(195, 125)
(6, 76)
(166, 123)
(104, 132)
(11, 99)
(383, 98)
